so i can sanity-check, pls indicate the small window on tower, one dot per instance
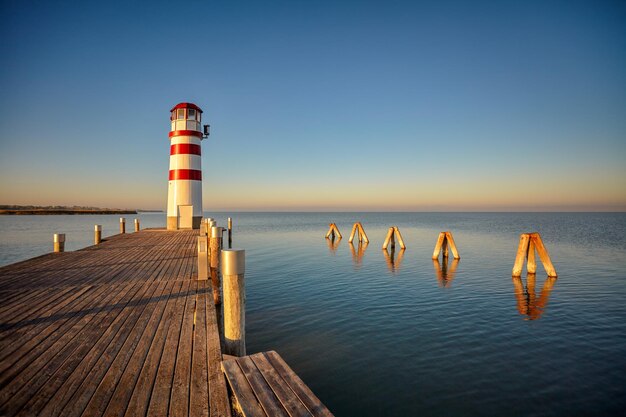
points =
(192, 114)
(198, 116)
(181, 114)
(173, 116)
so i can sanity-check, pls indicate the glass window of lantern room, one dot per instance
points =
(181, 114)
(192, 114)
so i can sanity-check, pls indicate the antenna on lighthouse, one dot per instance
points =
(206, 131)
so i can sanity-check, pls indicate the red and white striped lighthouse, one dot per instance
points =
(184, 197)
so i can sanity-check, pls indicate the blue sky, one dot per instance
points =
(318, 105)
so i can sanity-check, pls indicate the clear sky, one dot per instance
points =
(390, 105)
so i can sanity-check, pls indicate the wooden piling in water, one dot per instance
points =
(444, 241)
(122, 225)
(357, 230)
(97, 234)
(390, 240)
(529, 242)
(332, 230)
(233, 272)
(58, 242)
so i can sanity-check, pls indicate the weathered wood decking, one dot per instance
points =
(117, 329)
(265, 386)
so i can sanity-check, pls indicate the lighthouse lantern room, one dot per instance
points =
(184, 198)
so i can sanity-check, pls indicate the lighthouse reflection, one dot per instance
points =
(445, 274)
(333, 244)
(358, 253)
(527, 302)
(393, 259)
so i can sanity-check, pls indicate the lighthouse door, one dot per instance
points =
(185, 217)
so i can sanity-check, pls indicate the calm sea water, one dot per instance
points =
(380, 335)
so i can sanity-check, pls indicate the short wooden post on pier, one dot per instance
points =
(358, 230)
(233, 270)
(332, 231)
(203, 258)
(137, 228)
(97, 234)
(528, 243)
(392, 234)
(122, 225)
(59, 242)
(444, 240)
(230, 232)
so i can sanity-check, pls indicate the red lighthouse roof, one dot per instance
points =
(186, 106)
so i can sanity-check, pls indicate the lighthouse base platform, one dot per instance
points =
(176, 223)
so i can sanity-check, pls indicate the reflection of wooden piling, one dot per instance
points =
(528, 243)
(358, 230)
(357, 255)
(333, 244)
(445, 274)
(332, 230)
(122, 225)
(393, 261)
(233, 270)
(97, 234)
(392, 234)
(444, 241)
(527, 302)
(58, 242)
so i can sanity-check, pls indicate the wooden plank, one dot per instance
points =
(388, 238)
(264, 394)
(179, 400)
(279, 387)
(160, 399)
(312, 403)
(219, 404)
(242, 390)
(141, 397)
(128, 380)
(199, 389)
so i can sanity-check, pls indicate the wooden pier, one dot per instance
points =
(121, 328)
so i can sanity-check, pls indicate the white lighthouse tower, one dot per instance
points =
(184, 196)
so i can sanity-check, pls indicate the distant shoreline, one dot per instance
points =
(18, 212)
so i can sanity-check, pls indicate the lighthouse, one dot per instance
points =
(184, 196)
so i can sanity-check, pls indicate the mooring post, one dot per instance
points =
(59, 242)
(233, 266)
(362, 234)
(137, 225)
(122, 225)
(97, 234)
(215, 245)
(230, 232)
(388, 239)
(203, 258)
